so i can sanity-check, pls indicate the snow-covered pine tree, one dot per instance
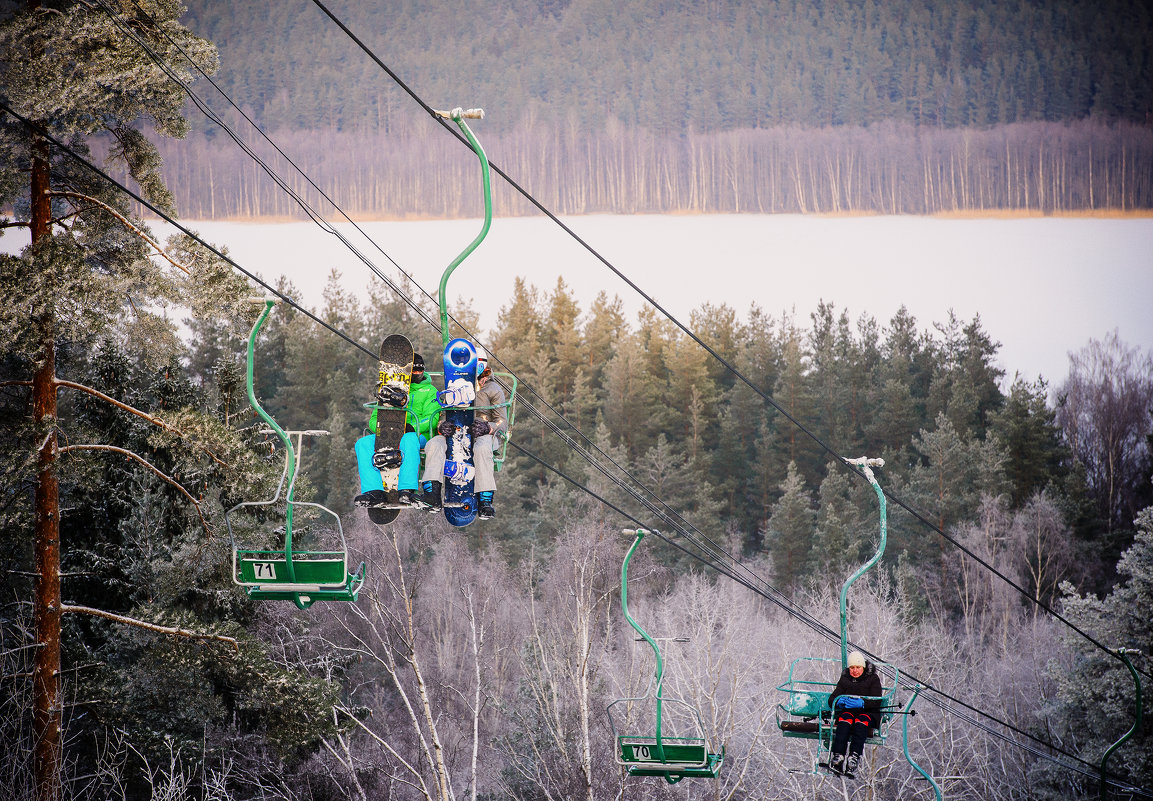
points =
(115, 478)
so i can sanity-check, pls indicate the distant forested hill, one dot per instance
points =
(697, 105)
(702, 65)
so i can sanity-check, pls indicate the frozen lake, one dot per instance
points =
(1042, 286)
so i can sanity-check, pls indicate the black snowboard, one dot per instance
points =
(396, 373)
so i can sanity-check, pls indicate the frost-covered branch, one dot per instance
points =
(156, 421)
(438, 763)
(128, 224)
(476, 640)
(395, 754)
(151, 467)
(142, 624)
(347, 761)
(388, 662)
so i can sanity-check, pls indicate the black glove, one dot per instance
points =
(446, 429)
(479, 428)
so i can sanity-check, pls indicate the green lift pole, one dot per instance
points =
(659, 750)
(905, 731)
(866, 466)
(1124, 654)
(458, 115)
(291, 452)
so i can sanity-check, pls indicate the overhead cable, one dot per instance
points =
(1035, 600)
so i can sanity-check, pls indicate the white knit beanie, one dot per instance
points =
(856, 659)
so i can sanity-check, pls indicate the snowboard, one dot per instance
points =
(460, 374)
(395, 375)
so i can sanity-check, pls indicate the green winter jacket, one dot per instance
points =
(424, 411)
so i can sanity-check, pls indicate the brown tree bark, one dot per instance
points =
(46, 703)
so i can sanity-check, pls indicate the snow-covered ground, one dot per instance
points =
(1042, 286)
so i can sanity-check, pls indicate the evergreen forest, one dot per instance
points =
(479, 662)
(657, 106)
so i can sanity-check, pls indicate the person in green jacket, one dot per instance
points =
(420, 424)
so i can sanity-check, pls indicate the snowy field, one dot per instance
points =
(1042, 286)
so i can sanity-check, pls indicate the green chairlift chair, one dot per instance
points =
(287, 574)
(805, 713)
(653, 752)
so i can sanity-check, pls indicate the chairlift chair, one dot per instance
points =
(654, 752)
(805, 713)
(286, 574)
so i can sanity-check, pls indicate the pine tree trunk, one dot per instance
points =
(46, 609)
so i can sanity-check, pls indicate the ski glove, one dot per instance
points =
(850, 702)
(446, 429)
(479, 428)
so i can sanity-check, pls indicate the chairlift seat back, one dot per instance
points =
(684, 757)
(269, 568)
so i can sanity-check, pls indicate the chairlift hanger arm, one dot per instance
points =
(1123, 653)
(290, 452)
(658, 675)
(640, 535)
(866, 464)
(908, 713)
(458, 116)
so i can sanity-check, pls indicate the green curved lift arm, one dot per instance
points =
(866, 466)
(1124, 654)
(905, 731)
(266, 417)
(659, 676)
(458, 116)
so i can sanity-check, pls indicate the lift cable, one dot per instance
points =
(324, 225)
(183, 229)
(320, 221)
(775, 597)
(311, 212)
(725, 362)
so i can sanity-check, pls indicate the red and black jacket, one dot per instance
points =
(868, 684)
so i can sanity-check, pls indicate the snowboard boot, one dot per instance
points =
(407, 497)
(430, 496)
(484, 508)
(837, 763)
(371, 499)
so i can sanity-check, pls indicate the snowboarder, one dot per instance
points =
(490, 423)
(421, 420)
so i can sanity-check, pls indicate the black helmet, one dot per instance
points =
(417, 362)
